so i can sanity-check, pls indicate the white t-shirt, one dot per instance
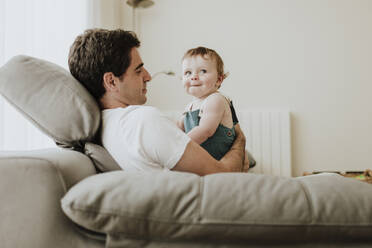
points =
(141, 138)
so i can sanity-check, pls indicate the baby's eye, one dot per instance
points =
(187, 73)
(203, 71)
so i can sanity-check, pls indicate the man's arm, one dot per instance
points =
(238, 148)
(197, 160)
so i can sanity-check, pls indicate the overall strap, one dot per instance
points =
(233, 113)
(188, 108)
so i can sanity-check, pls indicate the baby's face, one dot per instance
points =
(200, 77)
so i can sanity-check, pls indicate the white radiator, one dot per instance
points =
(268, 139)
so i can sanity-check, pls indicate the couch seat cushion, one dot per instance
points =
(222, 207)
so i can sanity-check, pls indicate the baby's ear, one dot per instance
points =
(222, 77)
(219, 81)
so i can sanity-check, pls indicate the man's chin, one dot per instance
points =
(144, 100)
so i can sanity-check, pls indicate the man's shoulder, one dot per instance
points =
(134, 117)
(142, 114)
(132, 110)
(145, 111)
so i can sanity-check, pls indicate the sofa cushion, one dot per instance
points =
(224, 207)
(102, 159)
(51, 99)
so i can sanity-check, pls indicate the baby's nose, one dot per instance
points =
(194, 77)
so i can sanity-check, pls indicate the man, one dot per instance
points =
(138, 137)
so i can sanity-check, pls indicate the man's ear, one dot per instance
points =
(109, 81)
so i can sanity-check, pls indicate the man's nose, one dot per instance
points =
(147, 76)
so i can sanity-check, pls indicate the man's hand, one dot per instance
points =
(246, 163)
(234, 159)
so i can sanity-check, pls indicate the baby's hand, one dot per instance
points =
(180, 123)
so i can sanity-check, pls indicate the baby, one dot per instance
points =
(208, 120)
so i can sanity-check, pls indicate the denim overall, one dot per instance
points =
(221, 141)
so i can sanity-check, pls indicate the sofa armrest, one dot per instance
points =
(73, 166)
(31, 186)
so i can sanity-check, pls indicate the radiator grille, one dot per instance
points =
(268, 139)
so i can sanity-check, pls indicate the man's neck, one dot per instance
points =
(110, 103)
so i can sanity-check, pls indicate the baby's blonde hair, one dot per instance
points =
(203, 51)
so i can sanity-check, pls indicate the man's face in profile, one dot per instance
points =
(131, 88)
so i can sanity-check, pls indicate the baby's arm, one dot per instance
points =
(181, 120)
(180, 123)
(213, 112)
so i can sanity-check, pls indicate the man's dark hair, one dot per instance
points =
(98, 51)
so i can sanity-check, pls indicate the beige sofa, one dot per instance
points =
(57, 198)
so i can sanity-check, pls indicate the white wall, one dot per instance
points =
(312, 57)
